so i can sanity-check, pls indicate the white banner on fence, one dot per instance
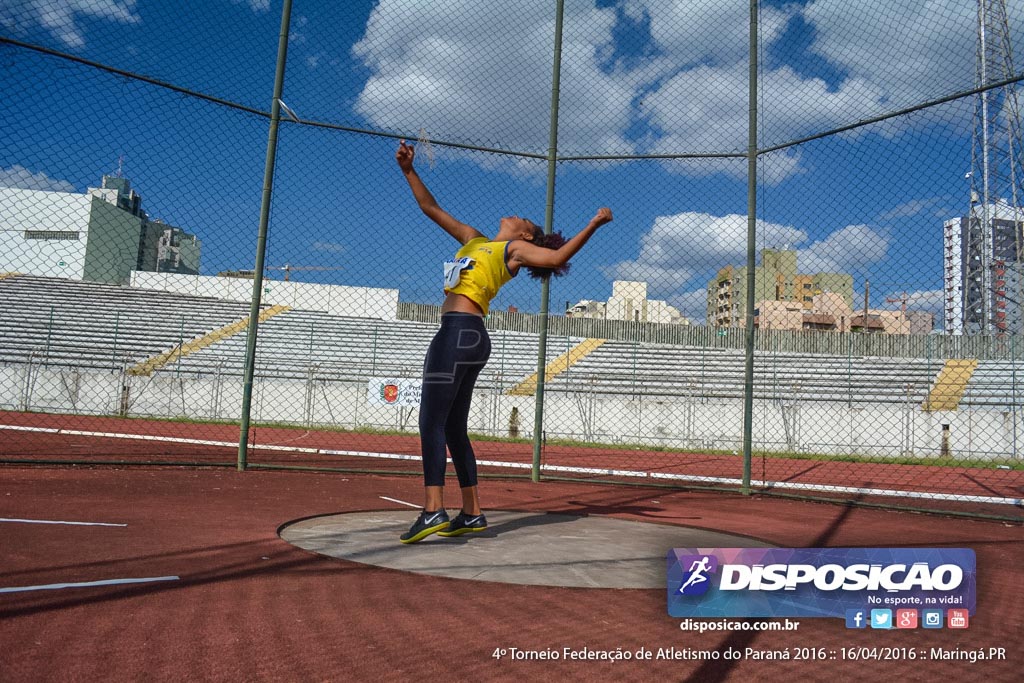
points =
(394, 391)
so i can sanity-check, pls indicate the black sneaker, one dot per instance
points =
(464, 524)
(427, 523)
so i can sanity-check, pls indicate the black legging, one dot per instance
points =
(456, 356)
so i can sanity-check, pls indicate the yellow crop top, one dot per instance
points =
(478, 271)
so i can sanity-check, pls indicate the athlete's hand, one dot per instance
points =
(405, 156)
(603, 215)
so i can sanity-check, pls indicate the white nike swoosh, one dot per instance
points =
(431, 519)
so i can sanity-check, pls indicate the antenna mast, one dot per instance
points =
(993, 249)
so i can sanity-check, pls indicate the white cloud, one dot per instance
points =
(678, 247)
(927, 300)
(660, 278)
(885, 57)
(681, 247)
(706, 32)
(532, 171)
(479, 73)
(848, 250)
(332, 247)
(486, 77)
(914, 207)
(62, 18)
(254, 5)
(773, 168)
(912, 51)
(22, 178)
(296, 32)
(467, 79)
(705, 109)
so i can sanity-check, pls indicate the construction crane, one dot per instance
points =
(288, 268)
(902, 300)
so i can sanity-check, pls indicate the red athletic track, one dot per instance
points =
(963, 481)
(250, 607)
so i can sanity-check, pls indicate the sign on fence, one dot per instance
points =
(394, 391)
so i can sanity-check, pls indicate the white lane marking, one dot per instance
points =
(150, 437)
(50, 521)
(85, 584)
(825, 488)
(400, 502)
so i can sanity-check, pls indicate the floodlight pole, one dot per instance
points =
(549, 210)
(748, 375)
(261, 238)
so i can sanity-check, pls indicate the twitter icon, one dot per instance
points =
(881, 618)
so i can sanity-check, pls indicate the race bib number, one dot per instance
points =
(453, 270)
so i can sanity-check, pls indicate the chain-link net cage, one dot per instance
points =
(813, 285)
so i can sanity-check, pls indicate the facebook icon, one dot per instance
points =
(856, 618)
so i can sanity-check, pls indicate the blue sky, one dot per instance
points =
(638, 77)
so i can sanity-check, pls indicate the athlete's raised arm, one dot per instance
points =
(527, 254)
(405, 156)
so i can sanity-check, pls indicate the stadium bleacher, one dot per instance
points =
(294, 343)
(91, 325)
(620, 367)
(95, 325)
(995, 384)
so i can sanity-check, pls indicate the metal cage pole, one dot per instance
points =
(748, 375)
(261, 239)
(549, 210)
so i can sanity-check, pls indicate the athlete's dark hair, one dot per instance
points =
(552, 241)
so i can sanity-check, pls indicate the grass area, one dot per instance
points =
(1005, 463)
